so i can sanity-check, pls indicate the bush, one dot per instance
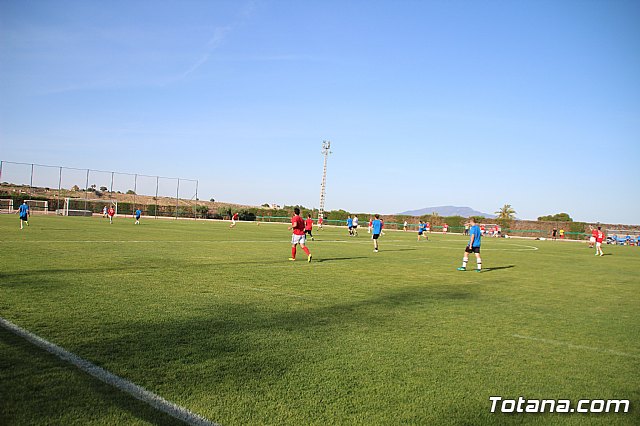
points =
(224, 212)
(203, 211)
(247, 215)
(558, 217)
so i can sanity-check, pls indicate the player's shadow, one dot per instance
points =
(334, 259)
(497, 268)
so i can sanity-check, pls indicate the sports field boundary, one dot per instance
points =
(109, 378)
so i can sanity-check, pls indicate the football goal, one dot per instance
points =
(6, 205)
(85, 207)
(38, 206)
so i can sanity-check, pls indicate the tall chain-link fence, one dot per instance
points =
(91, 190)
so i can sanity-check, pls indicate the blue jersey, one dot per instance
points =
(138, 213)
(377, 226)
(24, 209)
(349, 222)
(421, 228)
(476, 234)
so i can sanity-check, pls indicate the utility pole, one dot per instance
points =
(326, 145)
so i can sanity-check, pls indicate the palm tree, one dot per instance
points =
(506, 212)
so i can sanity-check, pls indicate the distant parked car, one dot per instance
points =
(614, 239)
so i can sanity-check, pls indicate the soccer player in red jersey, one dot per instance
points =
(298, 237)
(233, 220)
(592, 239)
(111, 212)
(320, 220)
(308, 226)
(599, 239)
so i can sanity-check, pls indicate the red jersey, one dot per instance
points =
(308, 224)
(235, 216)
(599, 236)
(594, 233)
(298, 225)
(111, 212)
(320, 220)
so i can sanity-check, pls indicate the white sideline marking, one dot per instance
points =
(124, 385)
(572, 346)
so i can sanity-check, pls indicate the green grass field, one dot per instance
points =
(219, 321)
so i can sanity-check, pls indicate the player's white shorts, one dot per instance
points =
(298, 239)
(592, 239)
(598, 244)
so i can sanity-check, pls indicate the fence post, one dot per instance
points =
(177, 195)
(86, 191)
(59, 188)
(195, 213)
(135, 190)
(157, 183)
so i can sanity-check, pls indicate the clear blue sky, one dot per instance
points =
(469, 103)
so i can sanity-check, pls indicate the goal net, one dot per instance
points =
(86, 207)
(38, 206)
(6, 205)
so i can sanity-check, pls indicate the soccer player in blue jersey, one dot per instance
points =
(422, 230)
(350, 225)
(473, 247)
(138, 214)
(23, 212)
(377, 230)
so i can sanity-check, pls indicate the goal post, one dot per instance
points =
(38, 206)
(6, 205)
(82, 206)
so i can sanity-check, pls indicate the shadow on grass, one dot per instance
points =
(37, 400)
(497, 268)
(228, 347)
(333, 259)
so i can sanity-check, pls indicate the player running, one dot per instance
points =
(298, 237)
(233, 220)
(111, 212)
(376, 228)
(308, 227)
(138, 214)
(422, 230)
(472, 247)
(370, 225)
(599, 239)
(355, 226)
(350, 225)
(23, 212)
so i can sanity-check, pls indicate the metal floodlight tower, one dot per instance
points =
(326, 145)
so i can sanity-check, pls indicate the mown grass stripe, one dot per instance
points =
(572, 346)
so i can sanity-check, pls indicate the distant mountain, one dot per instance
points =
(448, 211)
